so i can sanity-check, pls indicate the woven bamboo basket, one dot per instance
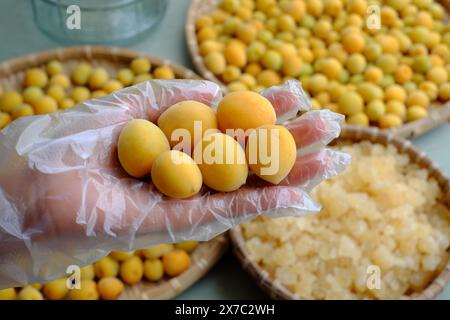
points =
(11, 77)
(276, 290)
(439, 113)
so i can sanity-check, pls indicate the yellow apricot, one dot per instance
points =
(236, 86)
(353, 42)
(292, 65)
(132, 270)
(98, 94)
(112, 85)
(140, 65)
(403, 74)
(60, 79)
(415, 113)
(153, 269)
(176, 175)
(268, 78)
(157, 251)
(121, 255)
(140, 142)
(32, 94)
(9, 100)
(56, 289)
(7, 294)
(350, 103)
(331, 68)
(87, 272)
(80, 94)
(397, 108)
(66, 103)
(244, 110)
(54, 67)
(87, 291)
(276, 144)
(110, 288)
(142, 78)
(231, 74)
(22, 110)
(81, 73)
(125, 76)
(35, 77)
(389, 121)
(235, 53)
(45, 105)
(183, 115)
(246, 32)
(176, 262)
(30, 293)
(56, 92)
(210, 46)
(106, 267)
(187, 246)
(164, 72)
(222, 163)
(98, 78)
(215, 62)
(295, 8)
(418, 98)
(395, 92)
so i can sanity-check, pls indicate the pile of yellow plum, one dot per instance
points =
(377, 62)
(212, 153)
(49, 89)
(106, 278)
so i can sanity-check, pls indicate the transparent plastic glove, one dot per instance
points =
(65, 200)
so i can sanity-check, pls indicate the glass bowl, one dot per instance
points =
(97, 21)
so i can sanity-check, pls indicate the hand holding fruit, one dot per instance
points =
(63, 190)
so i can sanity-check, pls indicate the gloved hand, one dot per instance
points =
(65, 200)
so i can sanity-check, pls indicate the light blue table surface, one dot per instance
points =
(19, 35)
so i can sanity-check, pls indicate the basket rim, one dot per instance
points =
(436, 117)
(277, 290)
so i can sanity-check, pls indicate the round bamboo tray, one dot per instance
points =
(439, 113)
(277, 291)
(206, 254)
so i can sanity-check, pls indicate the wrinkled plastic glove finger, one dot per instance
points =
(287, 99)
(315, 129)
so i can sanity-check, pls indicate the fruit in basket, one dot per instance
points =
(244, 110)
(140, 65)
(110, 288)
(5, 119)
(106, 267)
(98, 78)
(80, 94)
(222, 163)
(330, 39)
(415, 113)
(140, 142)
(132, 270)
(57, 92)
(30, 293)
(215, 62)
(87, 272)
(157, 251)
(22, 110)
(121, 255)
(81, 74)
(35, 77)
(111, 86)
(153, 269)
(7, 294)
(175, 174)
(187, 246)
(56, 289)
(54, 67)
(176, 262)
(184, 115)
(163, 72)
(125, 76)
(87, 291)
(9, 100)
(271, 152)
(32, 94)
(45, 104)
